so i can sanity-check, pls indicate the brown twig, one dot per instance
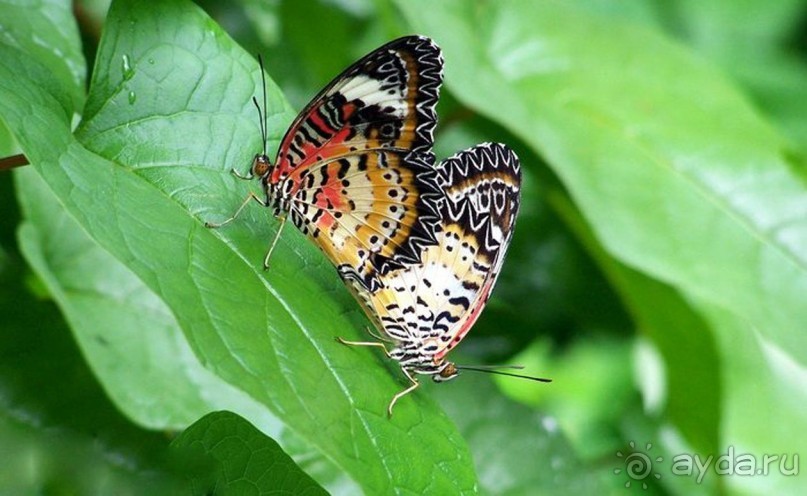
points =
(13, 161)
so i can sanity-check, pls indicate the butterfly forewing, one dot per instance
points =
(369, 213)
(355, 169)
(385, 100)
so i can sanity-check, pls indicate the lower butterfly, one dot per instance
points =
(420, 245)
(425, 309)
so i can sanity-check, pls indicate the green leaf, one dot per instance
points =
(517, 450)
(127, 334)
(686, 344)
(681, 181)
(753, 42)
(59, 434)
(162, 125)
(763, 406)
(245, 460)
(726, 26)
(48, 32)
(677, 175)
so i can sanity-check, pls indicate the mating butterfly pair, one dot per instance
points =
(419, 244)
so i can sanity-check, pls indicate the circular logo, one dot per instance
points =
(638, 465)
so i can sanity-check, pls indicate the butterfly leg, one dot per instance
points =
(364, 343)
(414, 384)
(403, 393)
(237, 174)
(377, 336)
(274, 242)
(251, 197)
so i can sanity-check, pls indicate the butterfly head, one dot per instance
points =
(261, 165)
(447, 372)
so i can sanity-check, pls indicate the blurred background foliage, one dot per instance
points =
(640, 361)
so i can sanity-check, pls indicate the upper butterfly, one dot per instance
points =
(355, 170)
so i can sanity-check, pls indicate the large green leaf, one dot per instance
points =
(168, 114)
(680, 180)
(517, 450)
(59, 434)
(728, 26)
(244, 460)
(47, 30)
(676, 173)
(752, 41)
(763, 408)
(686, 345)
(127, 334)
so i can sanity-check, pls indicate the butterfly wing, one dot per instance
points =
(370, 213)
(442, 297)
(385, 100)
(483, 187)
(357, 163)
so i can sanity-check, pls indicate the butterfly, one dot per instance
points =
(425, 309)
(419, 244)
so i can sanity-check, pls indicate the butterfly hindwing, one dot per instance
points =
(437, 301)
(483, 190)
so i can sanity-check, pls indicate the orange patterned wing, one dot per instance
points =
(429, 307)
(386, 100)
(370, 213)
(355, 169)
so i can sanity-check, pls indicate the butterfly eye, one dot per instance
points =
(261, 165)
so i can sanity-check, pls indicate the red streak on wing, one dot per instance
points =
(469, 322)
(325, 222)
(336, 147)
(329, 198)
(315, 119)
(311, 152)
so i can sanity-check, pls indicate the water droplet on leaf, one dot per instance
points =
(128, 71)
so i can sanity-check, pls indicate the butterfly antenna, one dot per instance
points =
(265, 116)
(495, 369)
(261, 123)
